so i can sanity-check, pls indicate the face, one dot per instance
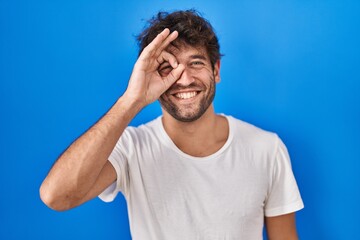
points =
(191, 95)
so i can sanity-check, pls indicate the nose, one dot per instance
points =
(186, 78)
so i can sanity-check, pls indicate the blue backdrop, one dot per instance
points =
(291, 67)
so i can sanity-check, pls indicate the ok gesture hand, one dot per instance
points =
(146, 84)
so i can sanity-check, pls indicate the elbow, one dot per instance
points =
(54, 202)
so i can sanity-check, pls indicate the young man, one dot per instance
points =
(190, 174)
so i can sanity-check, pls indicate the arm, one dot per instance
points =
(83, 171)
(281, 227)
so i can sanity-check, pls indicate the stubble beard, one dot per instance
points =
(190, 112)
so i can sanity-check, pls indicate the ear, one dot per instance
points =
(217, 71)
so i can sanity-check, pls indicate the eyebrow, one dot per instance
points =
(199, 56)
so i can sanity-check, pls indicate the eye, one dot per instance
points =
(165, 70)
(197, 64)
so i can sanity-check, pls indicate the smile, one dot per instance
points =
(186, 95)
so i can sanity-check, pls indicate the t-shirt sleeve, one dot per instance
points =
(119, 159)
(284, 196)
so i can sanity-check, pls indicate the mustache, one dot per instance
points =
(177, 87)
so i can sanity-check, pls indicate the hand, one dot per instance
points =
(146, 84)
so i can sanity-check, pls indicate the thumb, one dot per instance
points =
(174, 75)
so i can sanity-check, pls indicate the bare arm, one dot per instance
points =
(83, 171)
(281, 227)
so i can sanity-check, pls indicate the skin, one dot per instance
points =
(199, 78)
(161, 72)
(281, 227)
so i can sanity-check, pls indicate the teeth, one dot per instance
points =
(185, 95)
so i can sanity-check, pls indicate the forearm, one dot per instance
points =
(80, 168)
(77, 169)
(281, 227)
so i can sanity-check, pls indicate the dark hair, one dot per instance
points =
(193, 30)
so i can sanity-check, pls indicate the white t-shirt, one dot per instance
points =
(172, 195)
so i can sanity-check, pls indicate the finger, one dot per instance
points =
(155, 44)
(167, 41)
(167, 57)
(174, 75)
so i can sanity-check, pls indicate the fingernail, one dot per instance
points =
(175, 64)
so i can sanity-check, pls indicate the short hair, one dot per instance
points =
(193, 30)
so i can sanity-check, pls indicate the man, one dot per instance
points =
(189, 174)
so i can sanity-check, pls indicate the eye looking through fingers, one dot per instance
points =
(167, 62)
(164, 69)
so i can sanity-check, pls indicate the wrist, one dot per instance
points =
(130, 104)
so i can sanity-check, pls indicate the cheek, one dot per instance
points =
(163, 97)
(209, 81)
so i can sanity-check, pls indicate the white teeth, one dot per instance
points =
(185, 95)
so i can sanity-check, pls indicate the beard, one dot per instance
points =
(193, 111)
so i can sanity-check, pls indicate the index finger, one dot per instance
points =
(159, 43)
(166, 42)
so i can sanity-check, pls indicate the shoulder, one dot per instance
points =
(251, 136)
(143, 132)
(140, 138)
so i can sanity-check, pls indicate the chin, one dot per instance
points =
(191, 118)
(183, 115)
(189, 113)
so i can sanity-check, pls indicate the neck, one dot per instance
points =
(199, 138)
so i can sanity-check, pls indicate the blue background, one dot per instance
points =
(291, 67)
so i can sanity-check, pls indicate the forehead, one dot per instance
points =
(185, 51)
